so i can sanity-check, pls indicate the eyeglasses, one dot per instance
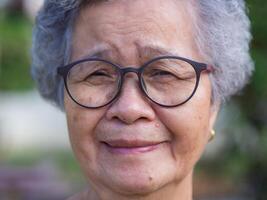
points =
(168, 81)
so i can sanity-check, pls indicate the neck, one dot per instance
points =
(181, 190)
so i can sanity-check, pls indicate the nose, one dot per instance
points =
(131, 106)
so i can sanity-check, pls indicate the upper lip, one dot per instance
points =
(121, 143)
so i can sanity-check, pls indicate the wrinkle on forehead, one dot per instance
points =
(125, 14)
(123, 28)
(144, 50)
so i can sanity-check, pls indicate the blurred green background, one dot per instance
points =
(242, 160)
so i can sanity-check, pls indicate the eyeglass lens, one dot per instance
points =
(166, 81)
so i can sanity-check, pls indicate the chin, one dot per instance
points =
(136, 187)
(138, 182)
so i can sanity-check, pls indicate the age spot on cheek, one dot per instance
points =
(75, 118)
(200, 117)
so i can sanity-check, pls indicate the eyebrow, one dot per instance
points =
(96, 52)
(155, 50)
(144, 51)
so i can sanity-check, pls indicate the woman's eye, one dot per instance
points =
(97, 74)
(100, 77)
(161, 73)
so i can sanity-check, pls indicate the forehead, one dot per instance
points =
(130, 28)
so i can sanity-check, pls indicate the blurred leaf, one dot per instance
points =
(15, 36)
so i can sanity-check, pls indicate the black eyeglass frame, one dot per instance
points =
(198, 67)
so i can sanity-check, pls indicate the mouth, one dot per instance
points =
(131, 147)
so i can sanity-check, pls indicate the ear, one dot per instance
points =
(215, 107)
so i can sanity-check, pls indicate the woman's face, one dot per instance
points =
(130, 33)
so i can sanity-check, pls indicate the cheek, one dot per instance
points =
(81, 125)
(189, 129)
(189, 124)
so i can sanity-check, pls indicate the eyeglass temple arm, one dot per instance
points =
(212, 69)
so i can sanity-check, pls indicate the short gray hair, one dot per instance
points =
(222, 34)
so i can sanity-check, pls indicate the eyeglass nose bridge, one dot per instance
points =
(129, 69)
(138, 72)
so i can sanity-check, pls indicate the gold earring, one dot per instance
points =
(212, 135)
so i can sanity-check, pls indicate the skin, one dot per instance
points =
(128, 32)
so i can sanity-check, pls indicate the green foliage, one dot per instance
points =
(258, 14)
(15, 36)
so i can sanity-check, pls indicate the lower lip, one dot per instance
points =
(132, 150)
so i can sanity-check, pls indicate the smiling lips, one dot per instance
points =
(130, 147)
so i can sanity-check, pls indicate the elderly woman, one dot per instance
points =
(141, 83)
